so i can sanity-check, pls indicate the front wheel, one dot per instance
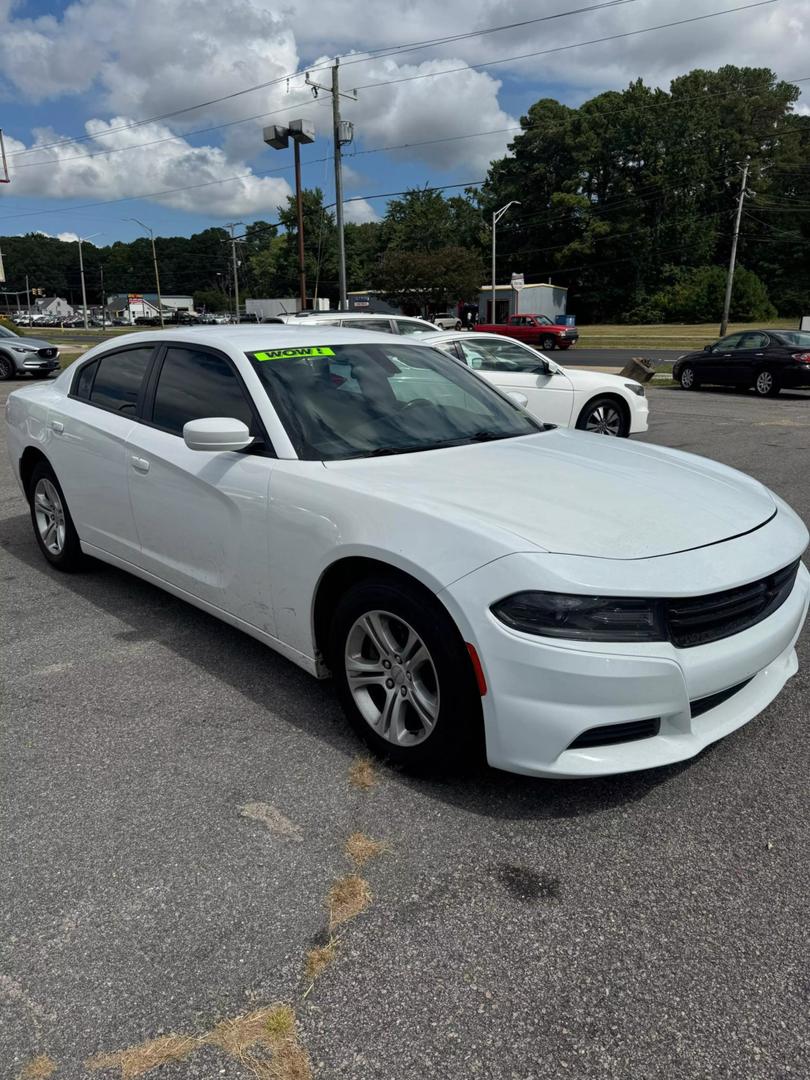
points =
(688, 378)
(403, 675)
(458, 325)
(53, 526)
(604, 416)
(549, 343)
(767, 384)
(6, 368)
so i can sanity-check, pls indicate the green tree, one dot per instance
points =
(697, 294)
(429, 280)
(426, 221)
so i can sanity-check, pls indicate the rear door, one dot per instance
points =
(201, 515)
(513, 367)
(749, 357)
(91, 433)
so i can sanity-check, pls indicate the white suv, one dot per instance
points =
(447, 320)
(359, 320)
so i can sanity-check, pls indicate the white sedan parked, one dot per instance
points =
(372, 509)
(603, 404)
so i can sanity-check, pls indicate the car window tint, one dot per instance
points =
(118, 379)
(84, 382)
(194, 384)
(411, 326)
(383, 325)
(730, 342)
(753, 340)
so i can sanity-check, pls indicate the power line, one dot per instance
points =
(374, 55)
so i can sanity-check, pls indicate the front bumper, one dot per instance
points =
(639, 414)
(545, 693)
(35, 362)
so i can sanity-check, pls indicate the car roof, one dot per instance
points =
(247, 337)
(312, 316)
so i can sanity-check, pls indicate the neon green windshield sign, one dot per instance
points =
(294, 354)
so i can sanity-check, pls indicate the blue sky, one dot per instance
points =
(112, 63)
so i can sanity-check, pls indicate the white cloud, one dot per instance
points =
(167, 165)
(360, 212)
(65, 237)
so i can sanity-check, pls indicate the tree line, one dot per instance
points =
(627, 200)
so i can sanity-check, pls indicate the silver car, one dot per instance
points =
(26, 355)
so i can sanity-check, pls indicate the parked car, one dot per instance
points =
(767, 360)
(537, 330)
(388, 324)
(447, 320)
(26, 355)
(603, 404)
(372, 509)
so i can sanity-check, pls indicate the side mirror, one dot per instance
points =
(518, 398)
(216, 433)
(708, 348)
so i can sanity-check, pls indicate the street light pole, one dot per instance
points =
(84, 291)
(155, 262)
(278, 136)
(496, 217)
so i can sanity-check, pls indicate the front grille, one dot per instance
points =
(702, 619)
(705, 704)
(608, 734)
(47, 354)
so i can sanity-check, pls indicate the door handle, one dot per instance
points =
(57, 426)
(140, 464)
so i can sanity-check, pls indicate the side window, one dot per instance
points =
(381, 325)
(194, 384)
(730, 342)
(118, 380)
(753, 340)
(406, 326)
(84, 382)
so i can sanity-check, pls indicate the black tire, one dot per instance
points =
(69, 557)
(605, 416)
(766, 383)
(688, 378)
(549, 343)
(456, 736)
(7, 369)
(458, 325)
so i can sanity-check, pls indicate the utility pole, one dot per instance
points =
(28, 298)
(84, 291)
(103, 299)
(342, 133)
(733, 260)
(232, 225)
(496, 217)
(155, 262)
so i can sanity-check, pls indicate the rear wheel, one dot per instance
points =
(53, 526)
(6, 368)
(767, 384)
(688, 378)
(549, 343)
(403, 675)
(604, 416)
(458, 324)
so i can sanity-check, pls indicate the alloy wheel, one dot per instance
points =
(687, 378)
(50, 516)
(392, 678)
(764, 382)
(604, 420)
(5, 368)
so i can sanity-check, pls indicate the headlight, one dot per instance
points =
(23, 348)
(584, 618)
(636, 388)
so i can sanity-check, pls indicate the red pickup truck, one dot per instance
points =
(537, 330)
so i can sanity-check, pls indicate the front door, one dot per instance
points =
(721, 365)
(202, 515)
(514, 367)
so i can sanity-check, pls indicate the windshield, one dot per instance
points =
(796, 337)
(345, 401)
(545, 320)
(5, 332)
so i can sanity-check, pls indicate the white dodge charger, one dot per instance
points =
(374, 510)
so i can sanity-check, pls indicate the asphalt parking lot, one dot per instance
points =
(176, 805)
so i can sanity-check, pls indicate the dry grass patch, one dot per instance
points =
(318, 960)
(242, 1033)
(361, 848)
(362, 774)
(137, 1060)
(38, 1068)
(347, 899)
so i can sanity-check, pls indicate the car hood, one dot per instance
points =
(31, 342)
(571, 492)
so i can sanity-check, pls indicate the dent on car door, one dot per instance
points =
(202, 515)
(90, 447)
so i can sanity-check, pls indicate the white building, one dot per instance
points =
(55, 307)
(132, 306)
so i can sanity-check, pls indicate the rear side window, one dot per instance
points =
(84, 383)
(412, 327)
(194, 384)
(118, 380)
